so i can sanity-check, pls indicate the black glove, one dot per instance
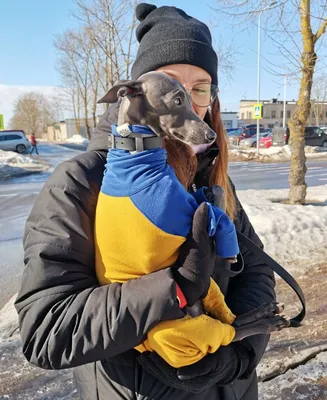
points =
(196, 259)
(224, 366)
(220, 368)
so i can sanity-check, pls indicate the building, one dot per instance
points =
(273, 112)
(230, 119)
(67, 128)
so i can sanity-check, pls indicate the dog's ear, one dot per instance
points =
(122, 89)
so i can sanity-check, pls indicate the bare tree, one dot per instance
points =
(227, 55)
(111, 24)
(32, 113)
(296, 28)
(319, 97)
(57, 106)
(70, 79)
(97, 54)
(75, 64)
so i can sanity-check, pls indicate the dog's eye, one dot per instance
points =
(178, 101)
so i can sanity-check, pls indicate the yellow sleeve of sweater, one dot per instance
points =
(185, 341)
(214, 304)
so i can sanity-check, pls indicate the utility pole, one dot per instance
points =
(284, 113)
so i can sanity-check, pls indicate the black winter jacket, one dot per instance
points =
(68, 320)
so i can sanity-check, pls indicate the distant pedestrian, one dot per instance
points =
(34, 145)
(287, 139)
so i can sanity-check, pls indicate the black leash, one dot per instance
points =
(288, 278)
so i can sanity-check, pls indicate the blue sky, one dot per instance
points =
(28, 57)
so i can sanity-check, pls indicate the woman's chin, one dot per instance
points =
(199, 148)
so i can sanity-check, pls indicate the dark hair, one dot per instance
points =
(219, 174)
(184, 162)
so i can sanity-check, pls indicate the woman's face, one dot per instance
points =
(188, 75)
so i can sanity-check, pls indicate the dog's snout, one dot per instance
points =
(210, 135)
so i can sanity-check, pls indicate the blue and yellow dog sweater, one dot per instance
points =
(143, 216)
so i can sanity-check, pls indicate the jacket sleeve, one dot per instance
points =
(66, 319)
(253, 287)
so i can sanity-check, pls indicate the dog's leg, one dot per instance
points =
(196, 310)
(263, 320)
(264, 311)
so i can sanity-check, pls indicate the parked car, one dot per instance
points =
(235, 137)
(250, 130)
(231, 129)
(266, 141)
(252, 141)
(315, 136)
(324, 128)
(14, 140)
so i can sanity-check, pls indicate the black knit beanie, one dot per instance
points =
(167, 35)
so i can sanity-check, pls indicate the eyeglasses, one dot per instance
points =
(203, 94)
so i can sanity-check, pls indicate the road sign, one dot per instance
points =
(2, 126)
(257, 111)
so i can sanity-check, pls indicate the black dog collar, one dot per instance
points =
(136, 143)
(134, 138)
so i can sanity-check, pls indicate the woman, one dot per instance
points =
(68, 320)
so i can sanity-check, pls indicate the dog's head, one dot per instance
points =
(161, 103)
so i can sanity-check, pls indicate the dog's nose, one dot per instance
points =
(210, 135)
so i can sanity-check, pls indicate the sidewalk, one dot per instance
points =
(273, 154)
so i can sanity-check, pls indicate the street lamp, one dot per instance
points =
(284, 113)
(258, 77)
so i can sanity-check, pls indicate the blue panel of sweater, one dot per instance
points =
(153, 187)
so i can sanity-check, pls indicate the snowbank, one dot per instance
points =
(274, 153)
(14, 164)
(78, 139)
(293, 235)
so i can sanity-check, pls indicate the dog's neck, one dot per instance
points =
(134, 138)
(129, 130)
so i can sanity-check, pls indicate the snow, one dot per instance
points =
(49, 149)
(274, 153)
(17, 196)
(13, 164)
(78, 139)
(269, 367)
(8, 320)
(306, 382)
(293, 235)
(10, 157)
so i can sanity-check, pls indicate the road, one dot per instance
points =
(17, 196)
(16, 199)
(251, 175)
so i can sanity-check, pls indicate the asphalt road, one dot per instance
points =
(17, 197)
(251, 175)
(74, 146)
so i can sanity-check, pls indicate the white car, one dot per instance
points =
(13, 140)
(252, 141)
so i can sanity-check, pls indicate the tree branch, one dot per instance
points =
(321, 30)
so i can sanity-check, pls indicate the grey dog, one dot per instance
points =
(161, 103)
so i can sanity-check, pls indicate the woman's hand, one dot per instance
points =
(225, 365)
(196, 259)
